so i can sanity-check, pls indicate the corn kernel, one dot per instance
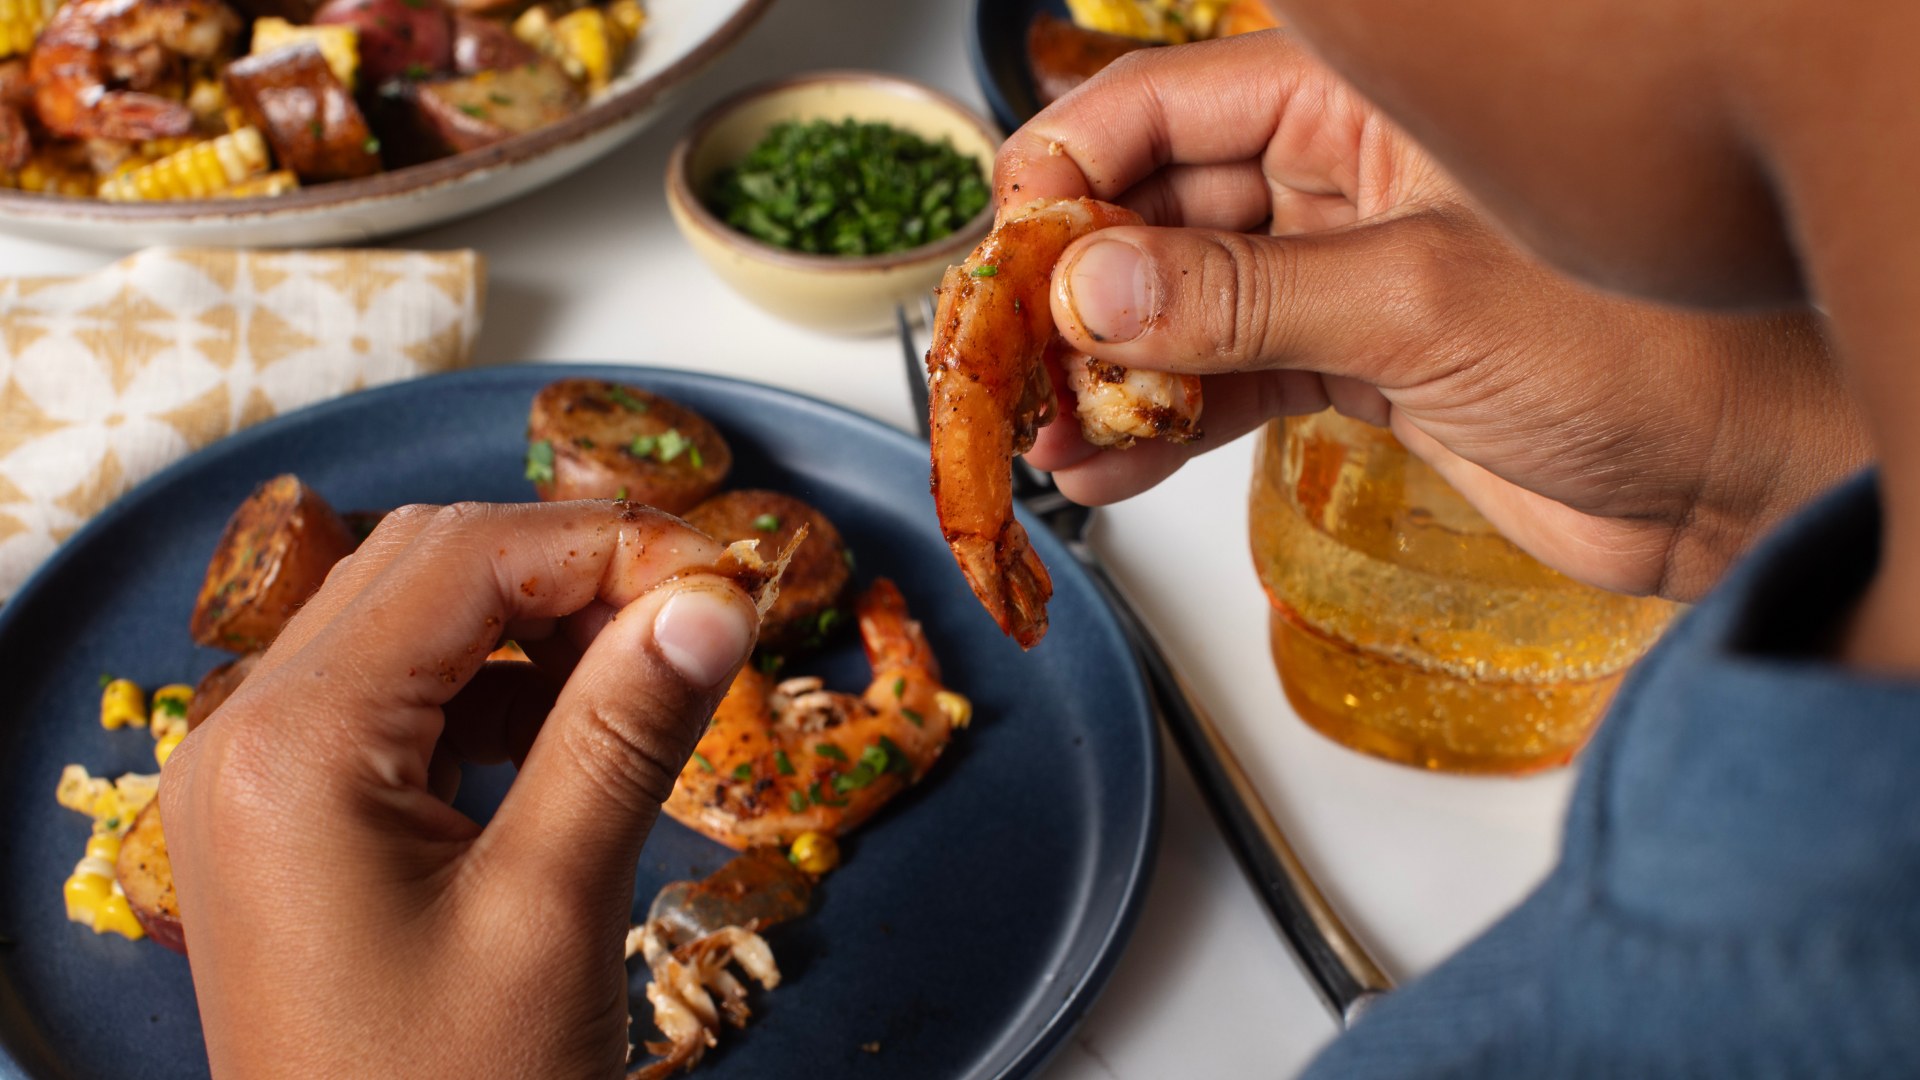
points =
(814, 852)
(84, 894)
(955, 707)
(115, 916)
(123, 704)
(628, 16)
(338, 44)
(164, 749)
(106, 848)
(79, 791)
(200, 170)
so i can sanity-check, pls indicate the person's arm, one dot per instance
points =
(1302, 252)
(342, 919)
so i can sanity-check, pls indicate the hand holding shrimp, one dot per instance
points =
(990, 392)
(335, 758)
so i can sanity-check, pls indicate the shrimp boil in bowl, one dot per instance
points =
(784, 759)
(990, 392)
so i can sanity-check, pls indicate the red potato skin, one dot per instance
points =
(483, 108)
(589, 431)
(305, 112)
(145, 874)
(399, 39)
(486, 45)
(275, 553)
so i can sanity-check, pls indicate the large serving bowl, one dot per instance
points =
(833, 293)
(681, 38)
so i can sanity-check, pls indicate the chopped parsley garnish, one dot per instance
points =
(643, 446)
(782, 764)
(849, 188)
(671, 445)
(743, 771)
(583, 442)
(540, 462)
(104, 680)
(847, 554)
(702, 759)
(828, 750)
(900, 687)
(318, 129)
(828, 619)
(814, 794)
(694, 458)
(371, 146)
(896, 758)
(770, 663)
(499, 99)
(985, 270)
(172, 706)
(796, 801)
(621, 494)
(475, 111)
(766, 523)
(417, 71)
(624, 398)
(916, 718)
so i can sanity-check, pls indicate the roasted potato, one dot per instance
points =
(486, 45)
(809, 606)
(146, 876)
(275, 552)
(483, 108)
(399, 39)
(305, 112)
(1062, 55)
(216, 687)
(589, 439)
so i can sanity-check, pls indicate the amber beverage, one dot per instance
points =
(1406, 627)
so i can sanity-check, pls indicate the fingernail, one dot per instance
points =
(704, 634)
(1110, 289)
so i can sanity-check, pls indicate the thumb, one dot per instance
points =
(1341, 302)
(610, 751)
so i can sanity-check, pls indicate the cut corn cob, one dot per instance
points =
(20, 23)
(340, 44)
(198, 172)
(273, 183)
(1125, 17)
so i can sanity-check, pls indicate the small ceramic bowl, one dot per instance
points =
(835, 293)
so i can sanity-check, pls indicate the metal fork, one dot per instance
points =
(1340, 968)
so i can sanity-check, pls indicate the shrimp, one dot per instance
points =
(780, 760)
(695, 931)
(16, 95)
(1118, 406)
(97, 64)
(990, 393)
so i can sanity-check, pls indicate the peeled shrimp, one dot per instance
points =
(1119, 406)
(990, 392)
(782, 759)
(98, 65)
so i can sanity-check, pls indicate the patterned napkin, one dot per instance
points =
(107, 377)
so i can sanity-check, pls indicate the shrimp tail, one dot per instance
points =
(1009, 578)
(894, 641)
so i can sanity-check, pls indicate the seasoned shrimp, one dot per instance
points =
(97, 64)
(779, 760)
(1118, 406)
(990, 392)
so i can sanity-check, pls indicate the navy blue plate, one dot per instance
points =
(973, 921)
(999, 54)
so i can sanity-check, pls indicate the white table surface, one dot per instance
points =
(592, 269)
